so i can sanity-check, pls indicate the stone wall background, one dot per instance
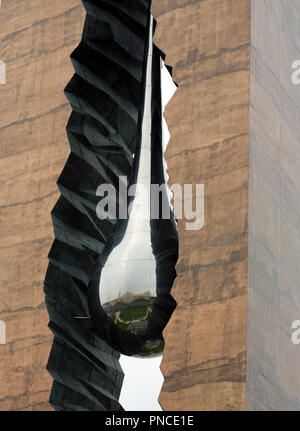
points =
(36, 38)
(208, 43)
(273, 361)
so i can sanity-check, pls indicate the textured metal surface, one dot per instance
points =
(105, 94)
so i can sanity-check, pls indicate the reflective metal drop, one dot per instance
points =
(129, 293)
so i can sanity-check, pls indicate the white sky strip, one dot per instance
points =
(142, 383)
(168, 89)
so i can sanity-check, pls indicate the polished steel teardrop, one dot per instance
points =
(129, 293)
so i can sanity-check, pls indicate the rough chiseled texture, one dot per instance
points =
(208, 44)
(107, 95)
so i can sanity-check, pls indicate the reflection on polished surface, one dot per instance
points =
(128, 280)
(135, 276)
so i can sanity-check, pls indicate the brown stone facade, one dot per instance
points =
(208, 43)
(36, 39)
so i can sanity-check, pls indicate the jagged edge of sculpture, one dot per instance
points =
(86, 371)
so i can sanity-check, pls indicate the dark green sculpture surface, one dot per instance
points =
(106, 96)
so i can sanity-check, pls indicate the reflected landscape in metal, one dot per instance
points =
(129, 292)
